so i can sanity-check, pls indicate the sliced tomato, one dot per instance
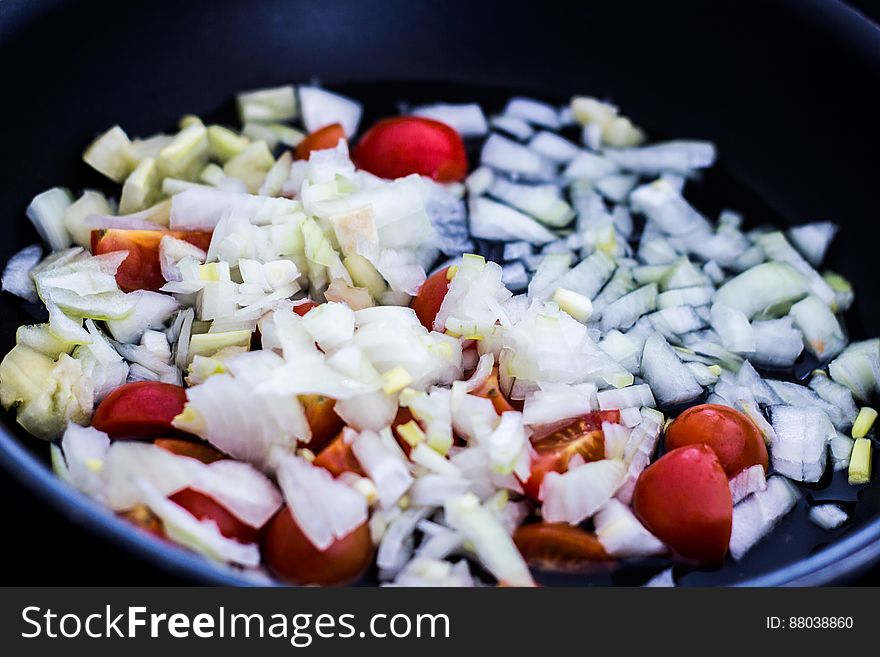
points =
(322, 419)
(404, 145)
(141, 269)
(684, 499)
(557, 443)
(143, 409)
(194, 449)
(292, 556)
(559, 546)
(319, 140)
(427, 302)
(735, 438)
(337, 457)
(492, 390)
(205, 507)
(302, 307)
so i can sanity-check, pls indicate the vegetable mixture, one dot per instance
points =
(243, 353)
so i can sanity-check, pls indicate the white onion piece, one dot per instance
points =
(758, 514)
(242, 490)
(799, 451)
(387, 470)
(576, 495)
(324, 509)
(84, 451)
(559, 401)
(679, 157)
(202, 209)
(670, 379)
(553, 147)
(828, 516)
(813, 240)
(151, 310)
(533, 111)
(467, 118)
(320, 108)
(506, 155)
(750, 480)
(17, 273)
(490, 540)
(621, 533)
(631, 396)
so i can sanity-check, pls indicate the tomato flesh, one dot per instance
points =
(491, 390)
(303, 307)
(337, 457)
(143, 409)
(557, 443)
(558, 546)
(427, 302)
(683, 498)
(292, 556)
(735, 438)
(319, 140)
(141, 269)
(404, 145)
(322, 419)
(196, 450)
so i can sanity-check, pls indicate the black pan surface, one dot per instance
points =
(788, 90)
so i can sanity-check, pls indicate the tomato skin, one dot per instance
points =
(683, 498)
(320, 139)
(427, 302)
(337, 457)
(303, 307)
(194, 449)
(143, 409)
(555, 444)
(558, 546)
(322, 419)
(205, 507)
(291, 556)
(403, 145)
(141, 269)
(491, 390)
(734, 437)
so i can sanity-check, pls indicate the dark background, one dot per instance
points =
(43, 548)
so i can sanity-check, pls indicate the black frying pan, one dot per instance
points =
(789, 90)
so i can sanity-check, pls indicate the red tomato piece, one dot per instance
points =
(492, 390)
(735, 438)
(322, 419)
(194, 449)
(338, 457)
(319, 140)
(404, 145)
(427, 302)
(205, 507)
(559, 546)
(683, 498)
(143, 409)
(557, 443)
(293, 557)
(141, 269)
(303, 307)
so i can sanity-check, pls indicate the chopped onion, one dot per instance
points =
(17, 278)
(466, 118)
(799, 451)
(828, 516)
(751, 480)
(758, 514)
(576, 495)
(622, 535)
(321, 108)
(670, 379)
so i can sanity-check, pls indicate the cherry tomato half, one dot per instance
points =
(683, 498)
(403, 145)
(293, 557)
(322, 419)
(192, 448)
(557, 443)
(734, 437)
(141, 269)
(558, 546)
(427, 302)
(319, 140)
(205, 507)
(143, 409)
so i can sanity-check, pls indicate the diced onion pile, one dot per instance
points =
(611, 292)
